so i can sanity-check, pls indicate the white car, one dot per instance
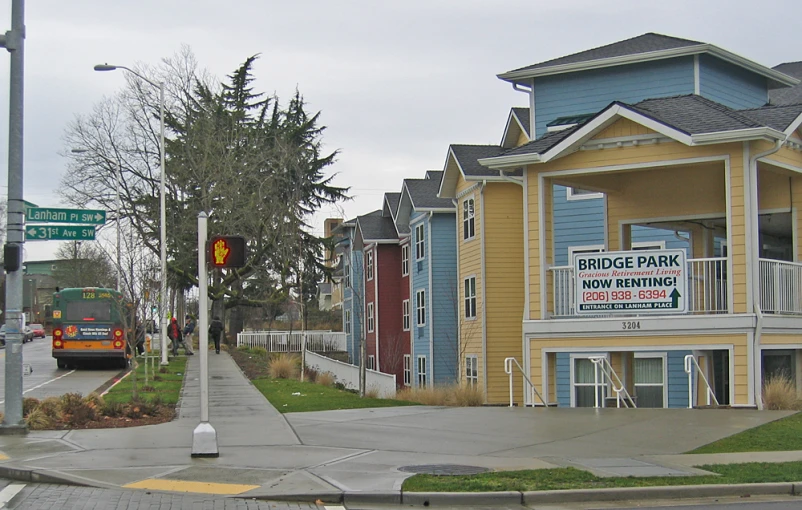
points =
(27, 334)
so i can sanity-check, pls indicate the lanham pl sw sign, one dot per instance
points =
(631, 282)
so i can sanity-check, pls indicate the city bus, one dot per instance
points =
(89, 327)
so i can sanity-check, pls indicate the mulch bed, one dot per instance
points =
(120, 422)
(252, 366)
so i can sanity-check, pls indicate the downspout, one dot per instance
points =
(754, 213)
(431, 298)
(484, 287)
(457, 282)
(525, 315)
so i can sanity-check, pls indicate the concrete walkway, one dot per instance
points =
(325, 454)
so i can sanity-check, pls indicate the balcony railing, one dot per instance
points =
(706, 288)
(780, 287)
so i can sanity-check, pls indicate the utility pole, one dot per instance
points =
(13, 41)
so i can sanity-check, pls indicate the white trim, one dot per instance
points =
(622, 141)
(641, 348)
(467, 191)
(461, 213)
(420, 240)
(696, 76)
(649, 245)
(588, 248)
(475, 358)
(780, 164)
(526, 243)
(636, 166)
(571, 364)
(653, 355)
(751, 397)
(370, 265)
(651, 326)
(405, 247)
(728, 240)
(793, 126)
(794, 235)
(532, 112)
(370, 323)
(418, 372)
(407, 369)
(417, 317)
(570, 195)
(541, 225)
(559, 127)
(484, 285)
(408, 315)
(694, 49)
(748, 221)
(431, 296)
(737, 135)
(465, 298)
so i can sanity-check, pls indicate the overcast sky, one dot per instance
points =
(396, 82)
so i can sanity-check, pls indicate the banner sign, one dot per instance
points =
(631, 282)
(87, 332)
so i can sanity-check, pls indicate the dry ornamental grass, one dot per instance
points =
(284, 366)
(779, 394)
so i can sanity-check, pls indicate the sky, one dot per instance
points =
(395, 82)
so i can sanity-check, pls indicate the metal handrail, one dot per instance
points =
(689, 371)
(508, 369)
(602, 364)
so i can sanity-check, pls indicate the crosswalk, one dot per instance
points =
(8, 493)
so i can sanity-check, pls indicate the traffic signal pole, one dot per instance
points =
(204, 437)
(13, 41)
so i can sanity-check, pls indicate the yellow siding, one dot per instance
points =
(535, 262)
(504, 266)
(769, 339)
(470, 264)
(785, 155)
(522, 139)
(774, 189)
(739, 343)
(622, 127)
(796, 190)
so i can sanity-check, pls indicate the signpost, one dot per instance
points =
(59, 233)
(631, 282)
(48, 215)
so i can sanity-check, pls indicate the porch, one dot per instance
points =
(707, 288)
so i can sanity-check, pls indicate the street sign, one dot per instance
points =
(631, 282)
(48, 215)
(59, 233)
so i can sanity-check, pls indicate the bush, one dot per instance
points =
(311, 374)
(70, 402)
(112, 409)
(163, 370)
(134, 410)
(779, 394)
(51, 406)
(467, 395)
(28, 405)
(243, 348)
(284, 366)
(39, 420)
(327, 379)
(372, 391)
(428, 396)
(259, 351)
(81, 415)
(94, 400)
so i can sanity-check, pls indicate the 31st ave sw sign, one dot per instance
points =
(631, 282)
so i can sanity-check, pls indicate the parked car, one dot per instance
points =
(27, 333)
(38, 330)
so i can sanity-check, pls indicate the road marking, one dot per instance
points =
(43, 384)
(185, 486)
(3, 456)
(327, 507)
(9, 492)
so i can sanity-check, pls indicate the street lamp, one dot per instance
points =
(162, 207)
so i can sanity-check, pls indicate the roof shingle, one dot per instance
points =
(423, 193)
(377, 228)
(788, 95)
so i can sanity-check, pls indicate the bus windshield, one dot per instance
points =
(88, 311)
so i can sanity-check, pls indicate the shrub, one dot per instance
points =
(311, 374)
(51, 406)
(28, 405)
(428, 396)
(112, 409)
(327, 379)
(779, 394)
(163, 370)
(134, 410)
(94, 400)
(81, 415)
(243, 348)
(259, 351)
(372, 391)
(39, 420)
(70, 402)
(467, 395)
(283, 367)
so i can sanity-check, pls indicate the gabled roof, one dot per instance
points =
(522, 115)
(790, 95)
(391, 201)
(690, 119)
(434, 175)
(517, 125)
(468, 156)
(423, 195)
(643, 48)
(376, 228)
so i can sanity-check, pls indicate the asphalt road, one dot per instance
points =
(47, 380)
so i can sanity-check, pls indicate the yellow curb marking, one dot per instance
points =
(3, 456)
(184, 486)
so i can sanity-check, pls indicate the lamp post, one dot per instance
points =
(162, 207)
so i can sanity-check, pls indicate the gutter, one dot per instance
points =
(753, 213)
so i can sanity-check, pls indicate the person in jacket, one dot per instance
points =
(215, 330)
(174, 334)
(189, 328)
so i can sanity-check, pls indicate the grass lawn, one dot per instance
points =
(571, 478)
(168, 387)
(782, 435)
(315, 397)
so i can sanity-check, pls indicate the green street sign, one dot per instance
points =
(59, 233)
(48, 215)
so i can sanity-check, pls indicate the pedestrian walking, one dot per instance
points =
(189, 328)
(215, 330)
(140, 338)
(174, 334)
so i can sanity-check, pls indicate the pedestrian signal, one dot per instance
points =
(227, 251)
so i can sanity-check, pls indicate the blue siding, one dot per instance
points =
(353, 300)
(444, 298)
(731, 85)
(590, 91)
(419, 275)
(677, 379)
(563, 379)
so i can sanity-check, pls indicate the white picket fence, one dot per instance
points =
(284, 341)
(349, 374)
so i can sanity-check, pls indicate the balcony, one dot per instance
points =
(780, 288)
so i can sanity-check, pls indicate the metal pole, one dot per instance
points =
(13, 41)
(119, 217)
(204, 437)
(163, 229)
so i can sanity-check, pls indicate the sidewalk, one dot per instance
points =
(323, 455)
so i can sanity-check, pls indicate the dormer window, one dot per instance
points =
(569, 121)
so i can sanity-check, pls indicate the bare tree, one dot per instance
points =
(83, 264)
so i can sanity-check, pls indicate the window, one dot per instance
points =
(420, 308)
(407, 369)
(472, 369)
(470, 297)
(347, 322)
(468, 219)
(370, 317)
(576, 250)
(421, 371)
(405, 313)
(648, 245)
(420, 242)
(581, 194)
(347, 270)
(369, 265)
(584, 382)
(371, 361)
(405, 260)
(649, 379)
